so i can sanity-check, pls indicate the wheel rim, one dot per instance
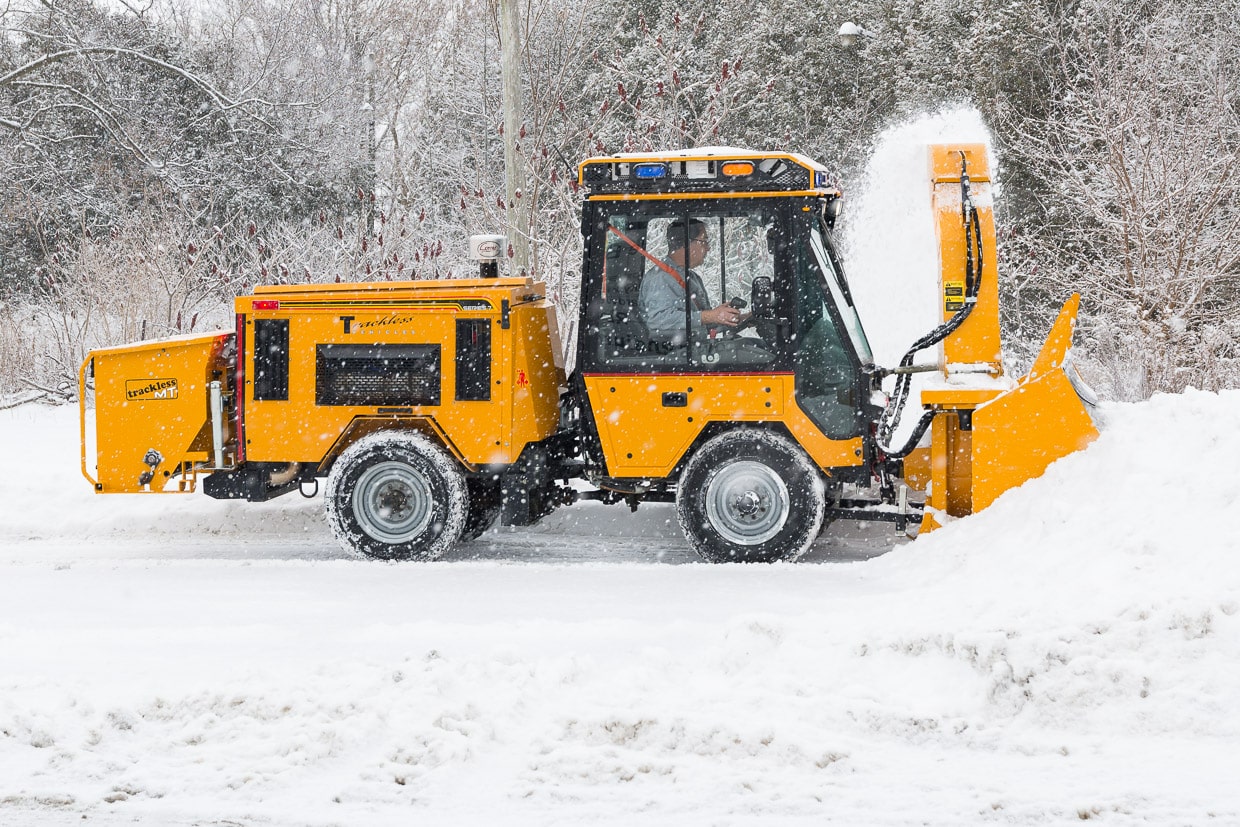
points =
(747, 503)
(393, 502)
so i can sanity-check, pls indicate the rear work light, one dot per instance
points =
(735, 168)
(266, 304)
(650, 171)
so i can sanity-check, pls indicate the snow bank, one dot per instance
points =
(1073, 652)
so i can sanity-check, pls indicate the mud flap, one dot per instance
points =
(525, 489)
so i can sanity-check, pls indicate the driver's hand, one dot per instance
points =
(725, 315)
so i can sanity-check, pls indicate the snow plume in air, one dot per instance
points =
(890, 251)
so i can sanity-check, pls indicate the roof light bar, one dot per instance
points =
(702, 171)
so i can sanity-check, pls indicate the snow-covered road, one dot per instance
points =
(1074, 652)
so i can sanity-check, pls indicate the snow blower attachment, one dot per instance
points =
(989, 433)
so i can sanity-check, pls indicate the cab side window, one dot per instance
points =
(649, 310)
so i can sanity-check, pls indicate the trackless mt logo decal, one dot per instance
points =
(143, 389)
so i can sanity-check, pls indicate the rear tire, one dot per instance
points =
(397, 496)
(750, 497)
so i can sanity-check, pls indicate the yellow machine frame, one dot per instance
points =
(477, 364)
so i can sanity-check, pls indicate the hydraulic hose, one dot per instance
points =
(890, 419)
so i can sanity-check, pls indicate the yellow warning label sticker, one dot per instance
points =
(953, 296)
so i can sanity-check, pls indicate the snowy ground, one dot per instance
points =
(1073, 652)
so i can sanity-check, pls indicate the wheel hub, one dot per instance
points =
(747, 502)
(393, 502)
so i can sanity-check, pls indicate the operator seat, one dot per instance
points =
(623, 331)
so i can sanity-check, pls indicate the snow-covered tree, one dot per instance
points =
(1136, 158)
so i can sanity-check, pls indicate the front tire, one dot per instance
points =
(750, 497)
(397, 496)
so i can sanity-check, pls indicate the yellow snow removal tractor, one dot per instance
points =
(720, 364)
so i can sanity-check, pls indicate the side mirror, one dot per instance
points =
(761, 298)
(831, 210)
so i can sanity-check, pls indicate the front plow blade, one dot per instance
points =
(981, 448)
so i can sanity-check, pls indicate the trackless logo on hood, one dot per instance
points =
(142, 389)
(390, 320)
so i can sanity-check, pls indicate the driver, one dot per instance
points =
(664, 286)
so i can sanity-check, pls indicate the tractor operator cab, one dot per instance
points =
(759, 231)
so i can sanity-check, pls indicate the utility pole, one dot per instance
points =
(516, 194)
(364, 86)
(372, 149)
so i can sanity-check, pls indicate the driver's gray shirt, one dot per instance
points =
(663, 301)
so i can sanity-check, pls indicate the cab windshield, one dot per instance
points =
(830, 347)
(824, 252)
